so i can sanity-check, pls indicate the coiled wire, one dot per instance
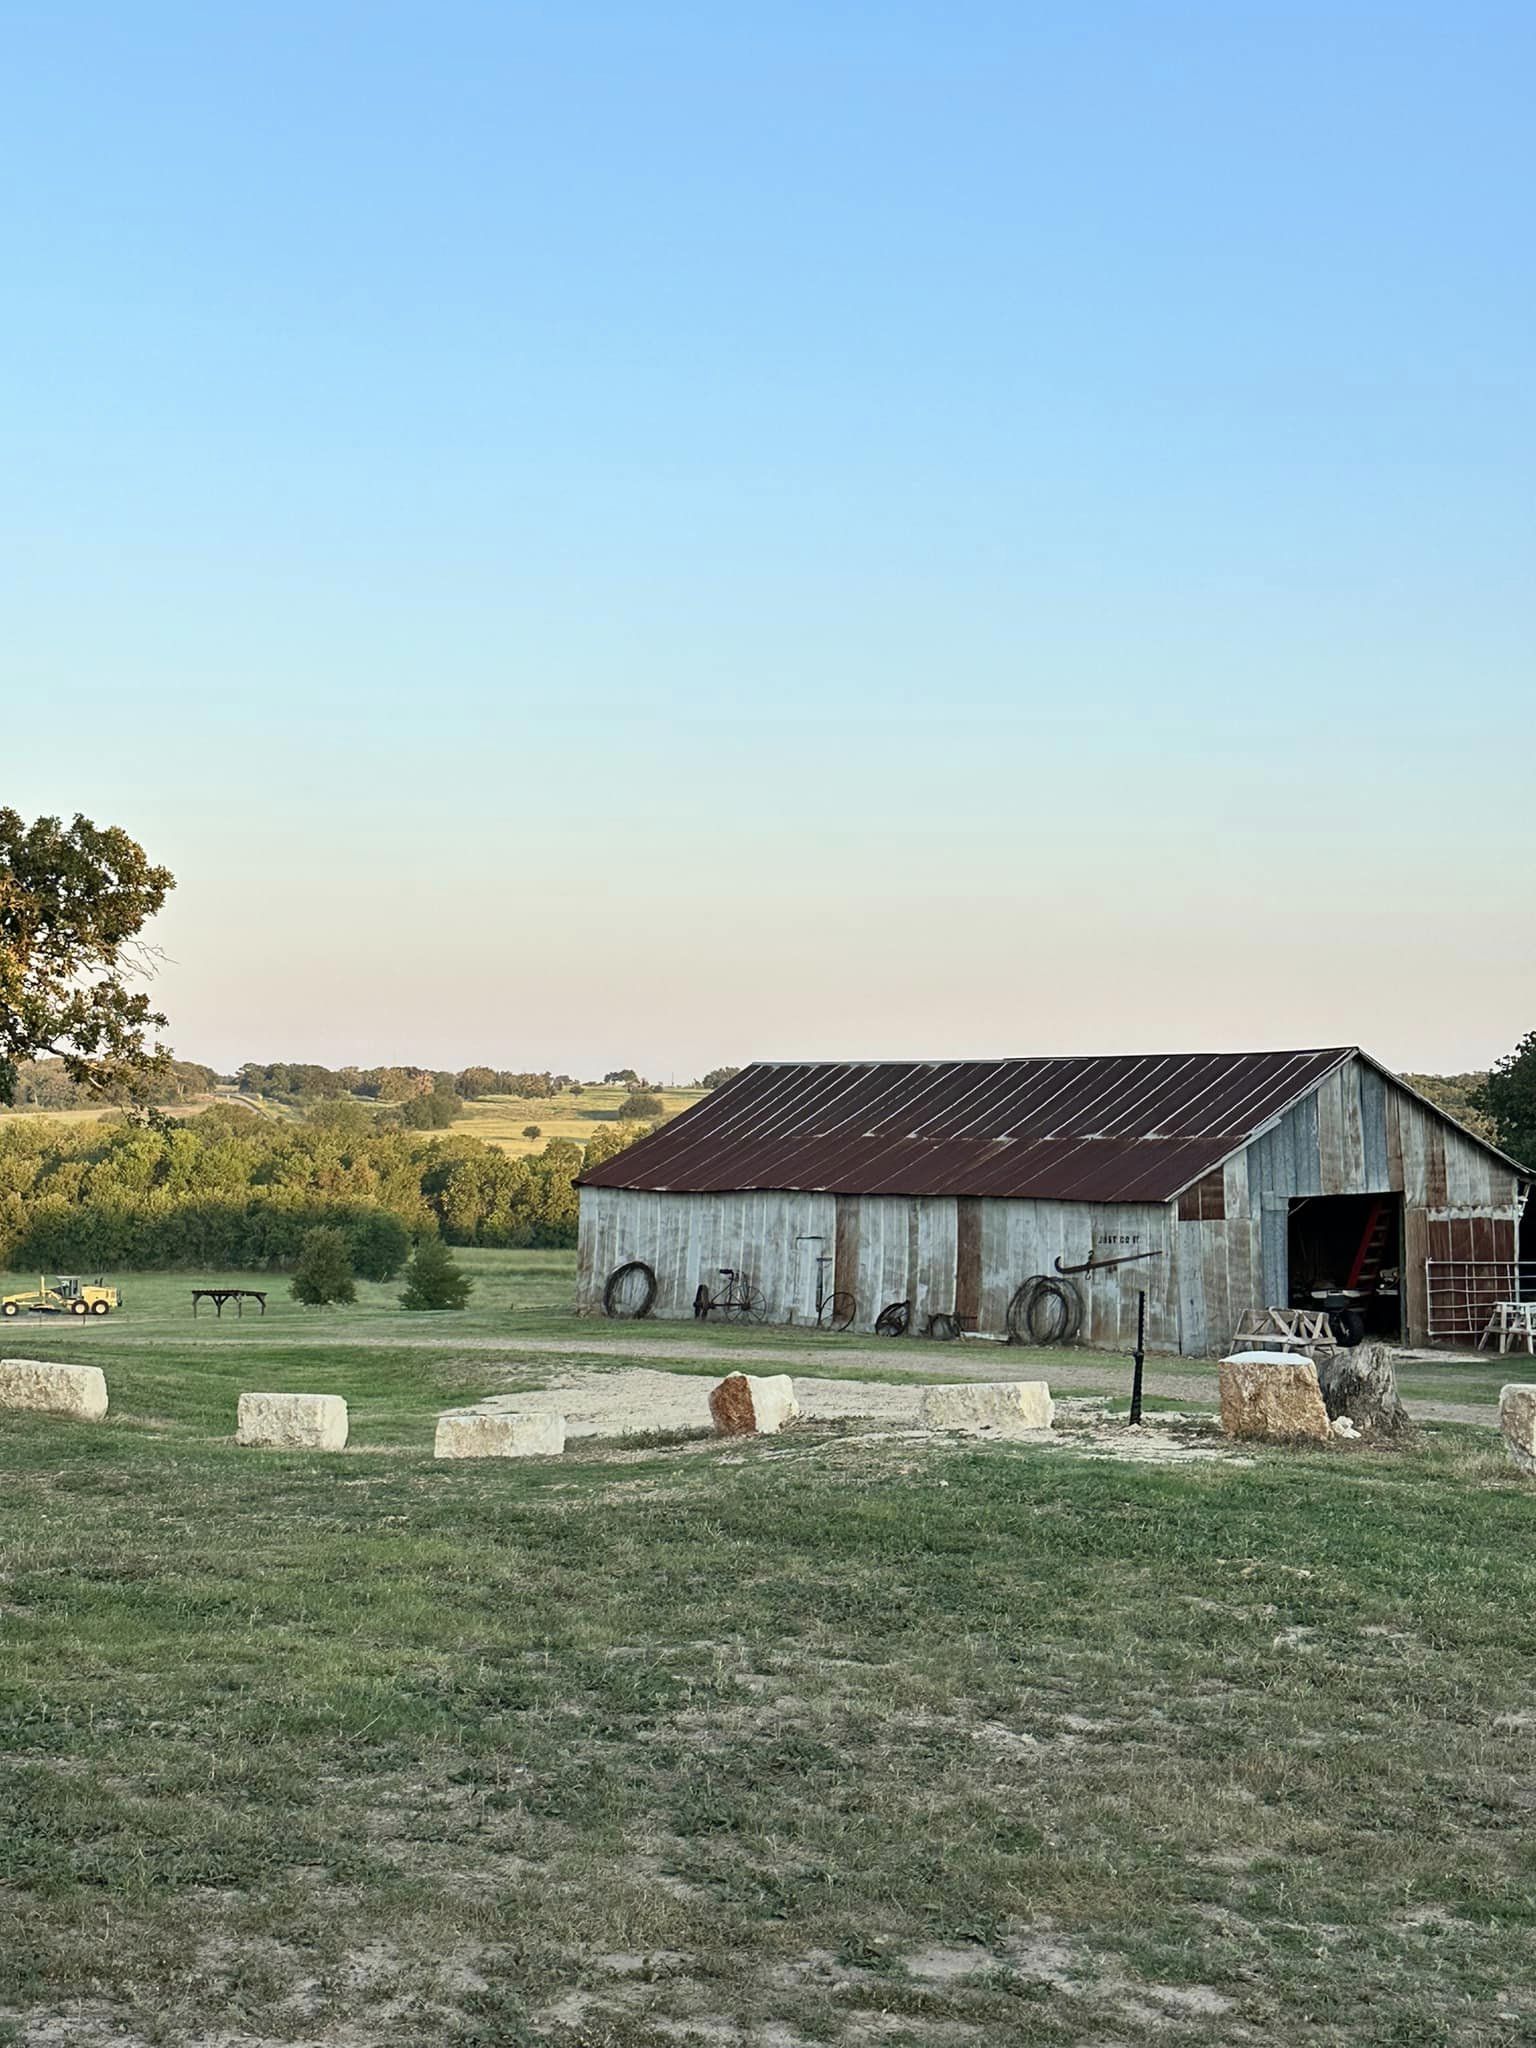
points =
(1045, 1311)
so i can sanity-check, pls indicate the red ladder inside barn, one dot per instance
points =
(1372, 1255)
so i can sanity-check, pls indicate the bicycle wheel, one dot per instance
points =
(894, 1319)
(837, 1311)
(747, 1305)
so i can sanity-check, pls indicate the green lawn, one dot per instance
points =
(816, 1741)
(398, 1369)
(193, 1369)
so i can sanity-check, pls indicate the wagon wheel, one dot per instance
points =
(894, 1319)
(837, 1311)
(747, 1305)
(944, 1329)
(631, 1290)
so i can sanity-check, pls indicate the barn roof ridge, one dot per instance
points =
(1018, 1059)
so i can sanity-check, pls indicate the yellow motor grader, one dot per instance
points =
(66, 1295)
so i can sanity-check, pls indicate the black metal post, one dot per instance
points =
(1139, 1355)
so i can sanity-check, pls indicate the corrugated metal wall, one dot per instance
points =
(1223, 1242)
(1358, 1133)
(934, 1251)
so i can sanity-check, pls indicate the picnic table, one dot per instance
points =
(238, 1295)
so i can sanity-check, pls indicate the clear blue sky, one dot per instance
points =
(668, 533)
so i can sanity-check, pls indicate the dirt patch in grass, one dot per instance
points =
(638, 1410)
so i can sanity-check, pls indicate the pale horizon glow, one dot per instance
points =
(648, 536)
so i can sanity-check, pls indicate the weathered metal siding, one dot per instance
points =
(939, 1253)
(1357, 1134)
(688, 1238)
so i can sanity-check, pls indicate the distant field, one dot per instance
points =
(500, 1119)
(193, 1106)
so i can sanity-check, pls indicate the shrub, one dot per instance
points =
(433, 1112)
(641, 1107)
(532, 1131)
(324, 1271)
(433, 1279)
(380, 1245)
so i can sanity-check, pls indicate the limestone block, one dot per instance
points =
(1001, 1407)
(292, 1422)
(743, 1405)
(78, 1390)
(1517, 1419)
(525, 1433)
(1270, 1395)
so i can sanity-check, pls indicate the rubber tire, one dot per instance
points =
(100, 1308)
(894, 1320)
(1348, 1326)
(837, 1311)
(79, 1308)
(10, 1308)
(615, 1280)
(701, 1303)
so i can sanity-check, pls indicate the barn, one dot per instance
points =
(1215, 1182)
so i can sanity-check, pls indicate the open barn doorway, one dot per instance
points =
(1346, 1255)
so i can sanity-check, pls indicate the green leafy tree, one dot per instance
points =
(74, 900)
(641, 1107)
(324, 1271)
(432, 1112)
(1508, 1099)
(342, 1116)
(623, 1076)
(718, 1076)
(379, 1244)
(434, 1279)
(609, 1139)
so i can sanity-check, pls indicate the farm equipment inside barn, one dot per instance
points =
(66, 1295)
(1344, 1259)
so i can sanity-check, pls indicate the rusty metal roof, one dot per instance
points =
(1121, 1128)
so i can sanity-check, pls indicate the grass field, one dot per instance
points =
(823, 1740)
(497, 1119)
(501, 1119)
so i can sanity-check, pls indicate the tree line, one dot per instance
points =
(302, 1081)
(228, 1189)
(48, 1084)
